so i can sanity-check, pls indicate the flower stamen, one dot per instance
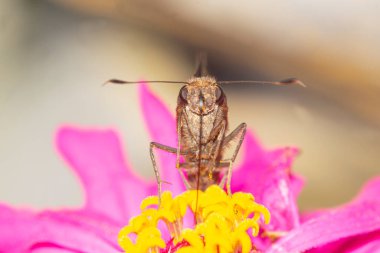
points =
(222, 223)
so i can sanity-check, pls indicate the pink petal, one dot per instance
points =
(16, 227)
(365, 243)
(296, 183)
(353, 221)
(23, 231)
(369, 192)
(162, 128)
(368, 243)
(101, 227)
(75, 234)
(111, 188)
(50, 248)
(267, 175)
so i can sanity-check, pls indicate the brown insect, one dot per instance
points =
(202, 125)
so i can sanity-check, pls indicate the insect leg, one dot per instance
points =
(229, 175)
(164, 147)
(179, 127)
(184, 179)
(224, 178)
(157, 172)
(239, 132)
(216, 150)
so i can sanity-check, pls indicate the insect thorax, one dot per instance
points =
(202, 110)
(190, 137)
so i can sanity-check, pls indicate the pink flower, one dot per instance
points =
(113, 194)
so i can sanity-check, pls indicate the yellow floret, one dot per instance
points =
(223, 222)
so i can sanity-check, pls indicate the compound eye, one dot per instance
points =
(183, 93)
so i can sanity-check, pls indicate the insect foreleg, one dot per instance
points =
(216, 150)
(157, 172)
(179, 127)
(239, 133)
(227, 176)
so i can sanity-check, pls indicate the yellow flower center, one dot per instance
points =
(222, 222)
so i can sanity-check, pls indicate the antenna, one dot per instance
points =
(117, 81)
(289, 81)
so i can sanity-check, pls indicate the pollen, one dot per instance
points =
(224, 224)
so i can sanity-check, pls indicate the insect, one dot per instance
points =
(202, 125)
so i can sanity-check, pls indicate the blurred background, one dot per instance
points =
(54, 56)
